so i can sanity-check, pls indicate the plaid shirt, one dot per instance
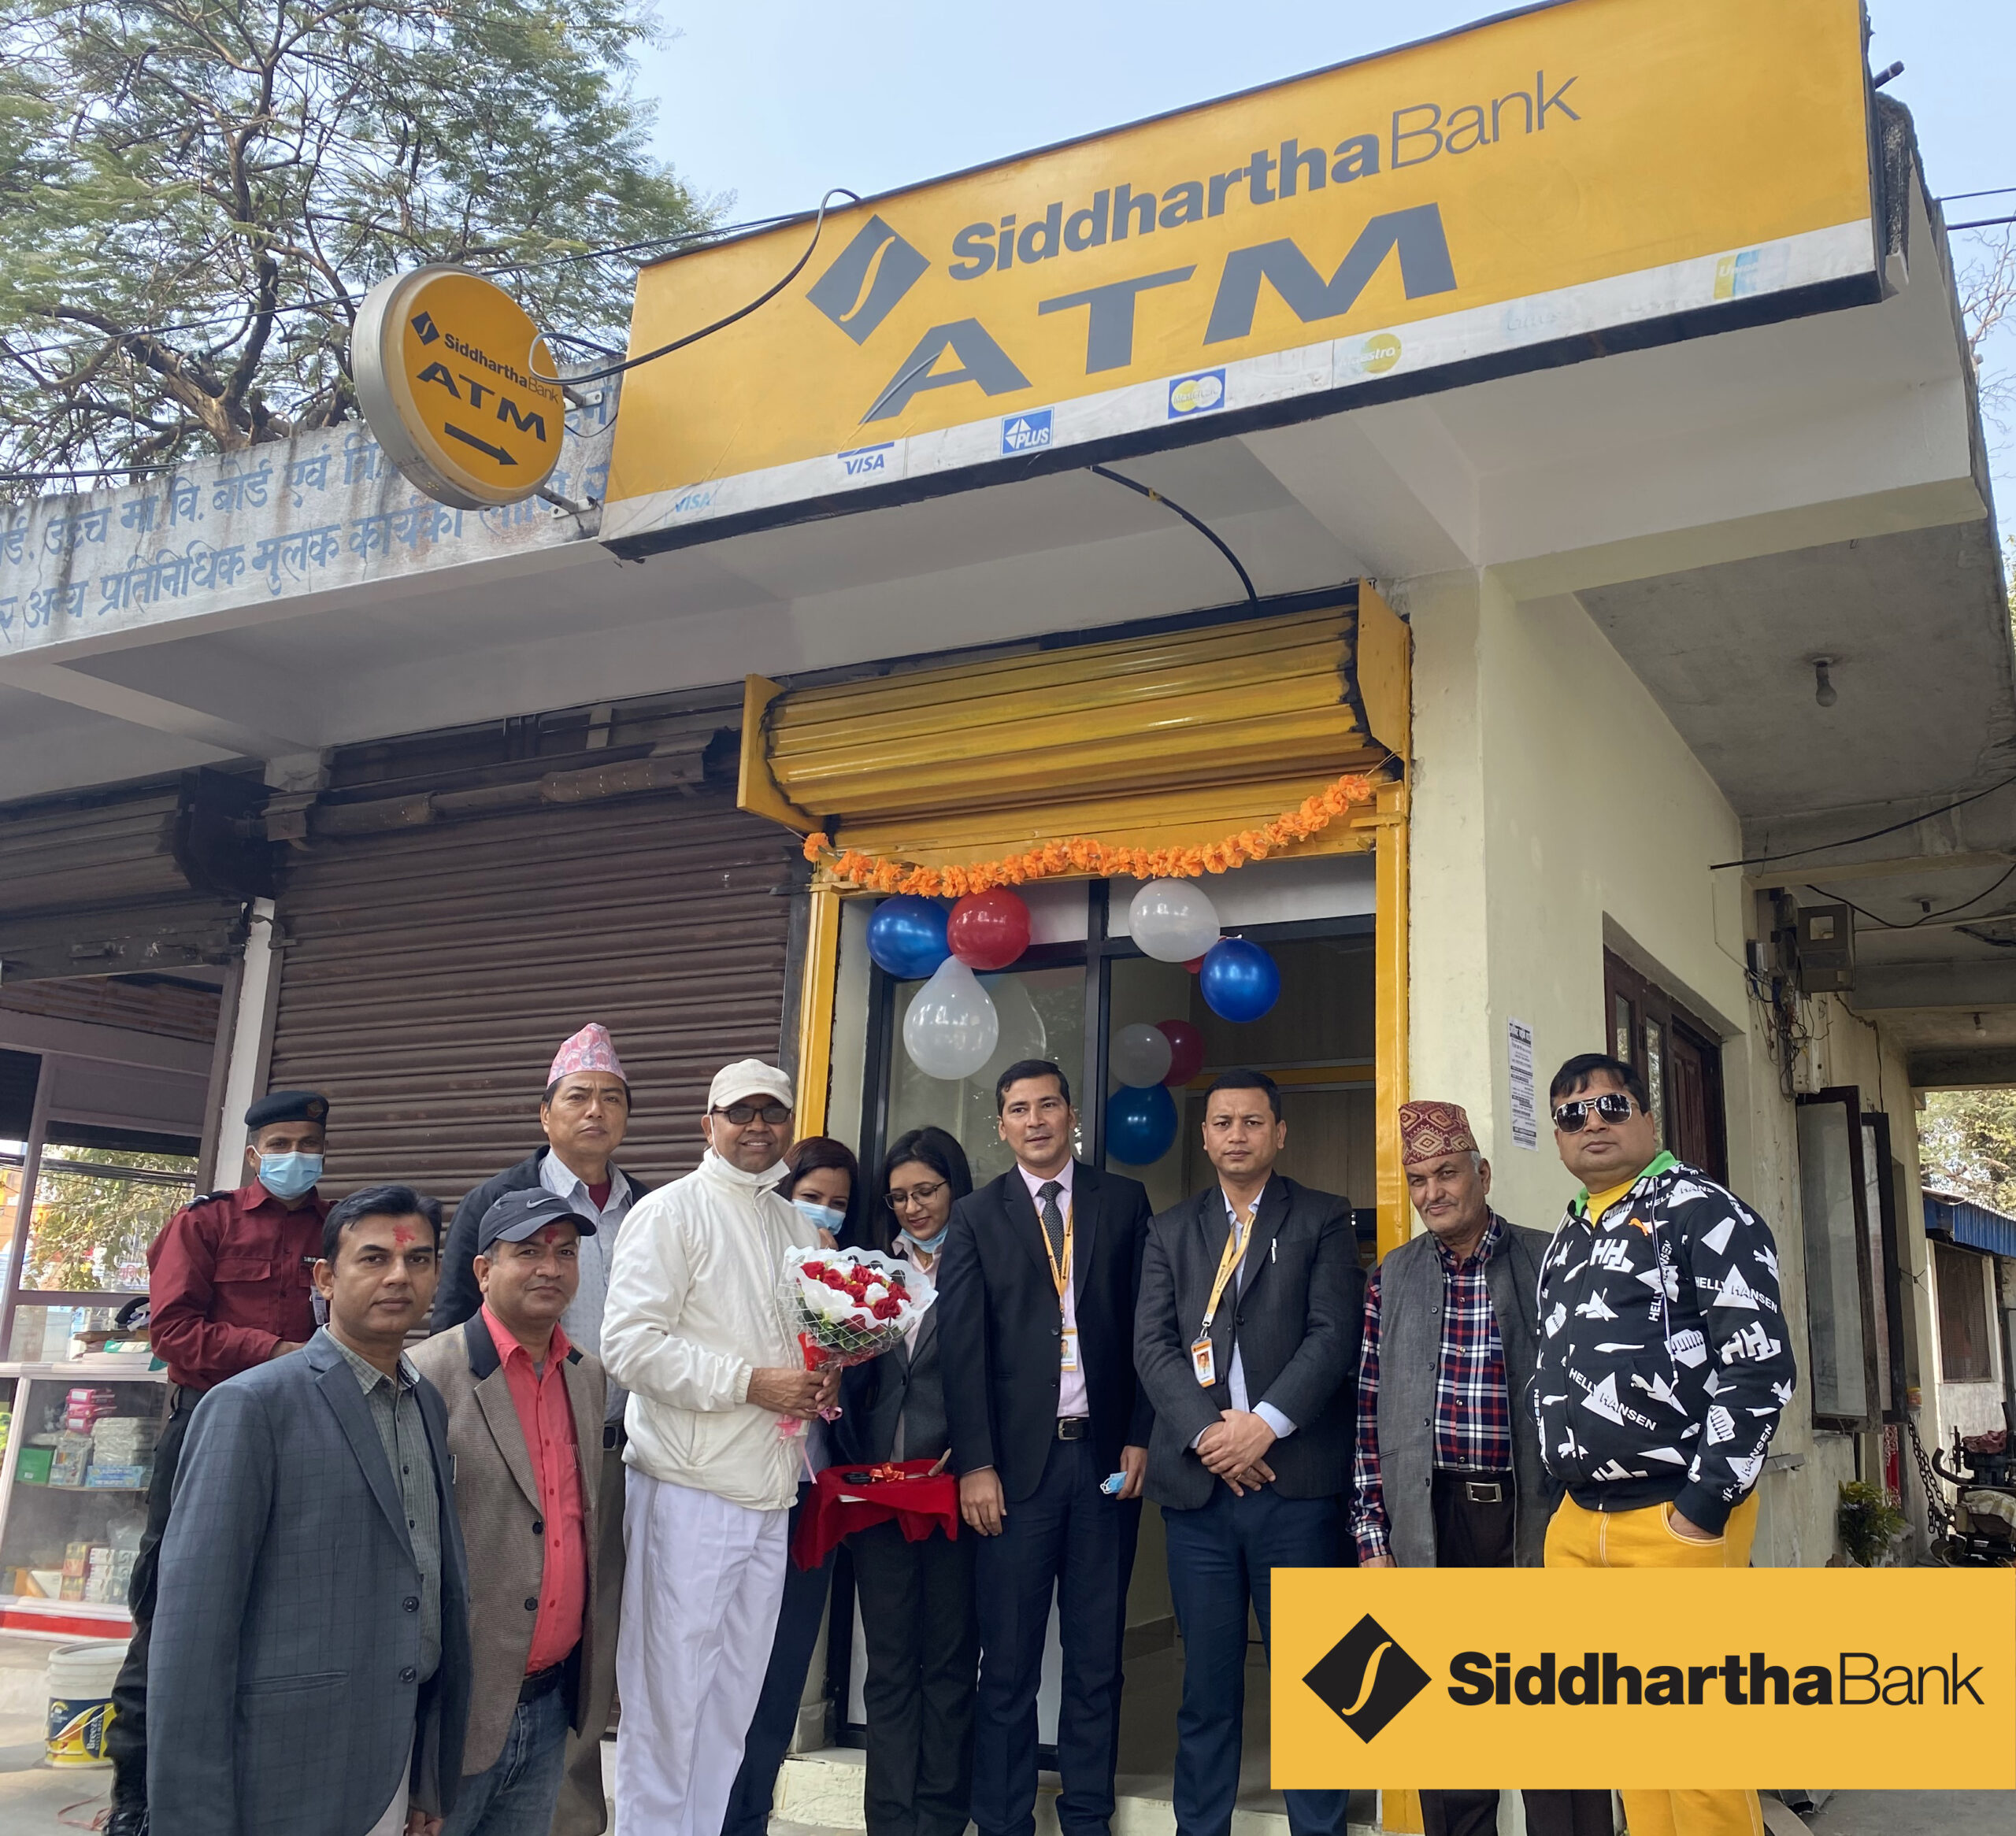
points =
(1472, 1402)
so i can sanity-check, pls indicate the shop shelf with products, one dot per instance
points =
(73, 1490)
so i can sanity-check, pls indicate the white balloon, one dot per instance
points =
(1023, 1034)
(1173, 921)
(1140, 1055)
(951, 1028)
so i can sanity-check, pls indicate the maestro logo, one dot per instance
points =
(867, 279)
(1365, 1678)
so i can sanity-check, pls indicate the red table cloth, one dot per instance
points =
(919, 1502)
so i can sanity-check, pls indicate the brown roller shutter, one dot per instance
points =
(429, 974)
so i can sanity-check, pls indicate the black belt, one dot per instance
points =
(542, 1682)
(1074, 1427)
(1479, 1488)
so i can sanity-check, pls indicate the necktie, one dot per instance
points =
(1053, 1221)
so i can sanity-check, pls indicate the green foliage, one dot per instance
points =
(195, 194)
(1869, 1521)
(92, 1234)
(1967, 1145)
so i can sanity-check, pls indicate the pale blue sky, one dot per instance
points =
(775, 100)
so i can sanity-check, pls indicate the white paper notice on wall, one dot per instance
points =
(1519, 1048)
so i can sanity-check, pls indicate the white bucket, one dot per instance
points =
(80, 1680)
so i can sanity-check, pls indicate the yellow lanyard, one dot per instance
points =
(1059, 1272)
(1234, 1247)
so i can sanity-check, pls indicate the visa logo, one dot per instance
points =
(696, 498)
(1024, 433)
(860, 460)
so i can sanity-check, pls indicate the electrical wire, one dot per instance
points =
(1981, 223)
(1873, 835)
(1992, 191)
(1929, 917)
(762, 299)
(1202, 528)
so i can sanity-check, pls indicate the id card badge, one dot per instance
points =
(1068, 1360)
(1203, 1360)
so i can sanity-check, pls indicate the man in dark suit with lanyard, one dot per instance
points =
(1042, 1272)
(1248, 1336)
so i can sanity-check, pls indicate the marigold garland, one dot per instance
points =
(1081, 855)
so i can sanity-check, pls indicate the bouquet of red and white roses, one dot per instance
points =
(846, 1306)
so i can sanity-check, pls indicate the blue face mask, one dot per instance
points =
(289, 1175)
(824, 1217)
(929, 1245)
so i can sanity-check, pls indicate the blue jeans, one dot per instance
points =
(1221, 1556)
(516, 1796)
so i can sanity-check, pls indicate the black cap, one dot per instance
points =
(519, 1214)
(287, 1106)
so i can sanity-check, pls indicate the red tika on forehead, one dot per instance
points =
(404, 1235)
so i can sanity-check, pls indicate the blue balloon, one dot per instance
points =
(1239, 981)
(1140, 1124)
(906, 936)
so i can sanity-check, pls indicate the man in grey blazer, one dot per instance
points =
(309, 1674)
(1448, 1468)
(525, 1413)
(1246, 1339)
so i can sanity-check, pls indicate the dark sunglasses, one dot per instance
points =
(1612, 1106)
(741, 1115)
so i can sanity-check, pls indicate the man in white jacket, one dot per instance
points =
(691, 1329)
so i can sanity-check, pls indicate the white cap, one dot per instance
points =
(747, 1078)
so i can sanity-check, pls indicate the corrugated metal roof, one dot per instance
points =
(1948, 1215)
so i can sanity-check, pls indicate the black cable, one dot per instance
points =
(1204, 529)
(762, 299)
(1992, 191)
(1982, 223)
(1851, 841)
(1929, 917)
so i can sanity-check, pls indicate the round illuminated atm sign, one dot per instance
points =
(444, 362)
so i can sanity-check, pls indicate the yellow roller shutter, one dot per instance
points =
(1170, 739)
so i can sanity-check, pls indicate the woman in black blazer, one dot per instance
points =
(916, 1600)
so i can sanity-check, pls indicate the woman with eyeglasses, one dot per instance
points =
(823, 1183)
(916, 1599)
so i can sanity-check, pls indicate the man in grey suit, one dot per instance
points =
(525, 1410)
(1246, 1339)
(309, 1674)
(1448, 1470)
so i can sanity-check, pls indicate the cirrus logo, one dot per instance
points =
(1365, 1678)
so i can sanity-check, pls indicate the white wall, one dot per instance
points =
(1550, 795)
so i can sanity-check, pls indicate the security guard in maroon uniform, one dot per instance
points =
(228, 1288)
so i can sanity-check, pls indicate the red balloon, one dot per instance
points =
(1186, 1046)
(989, 930)
(1193, 966)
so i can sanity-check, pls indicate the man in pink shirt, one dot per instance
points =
(524, 1425)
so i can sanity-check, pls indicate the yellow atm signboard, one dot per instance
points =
(1578, 178)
